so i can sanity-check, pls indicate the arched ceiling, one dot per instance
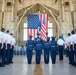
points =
(38, 7)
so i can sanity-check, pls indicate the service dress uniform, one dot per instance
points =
(67, 47)
(3, 50)
(74, 40)
(12, 49)
(53, 50)
(1, 38)
(46, 50)
(29, 49)
(38, 46)
(9, 42)
(60, 43)
(71, 50)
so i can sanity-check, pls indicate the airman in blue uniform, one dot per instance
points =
(46, 49)
(53, 49)
(38, 47)
(29, 49)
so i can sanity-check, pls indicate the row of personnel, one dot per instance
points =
(7, 43)
(48, 46)
(70, 43)
(51, 46)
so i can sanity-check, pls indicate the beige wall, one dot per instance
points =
(0, 20)
(65, 26)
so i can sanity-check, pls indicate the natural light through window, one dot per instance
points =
(50, 30)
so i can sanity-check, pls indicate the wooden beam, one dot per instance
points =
(24, 15)
(52, 15)
(21, 14)
(20, 1)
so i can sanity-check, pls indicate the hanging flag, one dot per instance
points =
(37, 23)
(72, 12)
(33, 24)
(44, 26)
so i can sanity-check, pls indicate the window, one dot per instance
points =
(25, 32)
(25, 25)
(50, 30)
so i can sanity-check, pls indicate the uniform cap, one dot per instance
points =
(30, 36)
(7, 31)
(11, 34)
(68, 34)
(38, 33)
(53, 37)
(3, 29)
(72, 32)
(60, 37)
(48, 39)
(46, 33)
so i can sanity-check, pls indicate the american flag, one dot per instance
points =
(44, 26)
(37, 23)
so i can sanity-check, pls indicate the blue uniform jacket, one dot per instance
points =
(38, 43)
(47, 44)
(53, 45)
(30, 44)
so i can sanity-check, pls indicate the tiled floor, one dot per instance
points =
(20, 67)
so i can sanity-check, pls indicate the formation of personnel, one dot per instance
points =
(71, 47)
(7, 43)
(50, 47)
(38, 45)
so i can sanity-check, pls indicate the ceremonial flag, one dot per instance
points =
(37, 23)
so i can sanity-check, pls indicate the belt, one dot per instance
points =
(29, 45)
(53, 46)
(46, 43)
(38, 44)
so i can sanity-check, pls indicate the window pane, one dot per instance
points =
(25, 25)
(25, 34)
(50, 32)
(49, 24)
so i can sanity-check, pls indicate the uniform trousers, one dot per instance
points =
(46, 56)
(61, 49)
(0, 53)
(72, 55)
(38, 56)
(67, 52)
(11, 54)
(75, 54)
(8, 54)
(53, 57)
(29, 56)
(3, 52)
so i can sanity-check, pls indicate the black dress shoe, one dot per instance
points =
(7, 63)
(2, 65)
(11, 62)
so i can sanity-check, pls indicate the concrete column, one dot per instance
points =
(0, 20)
(60, 15)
